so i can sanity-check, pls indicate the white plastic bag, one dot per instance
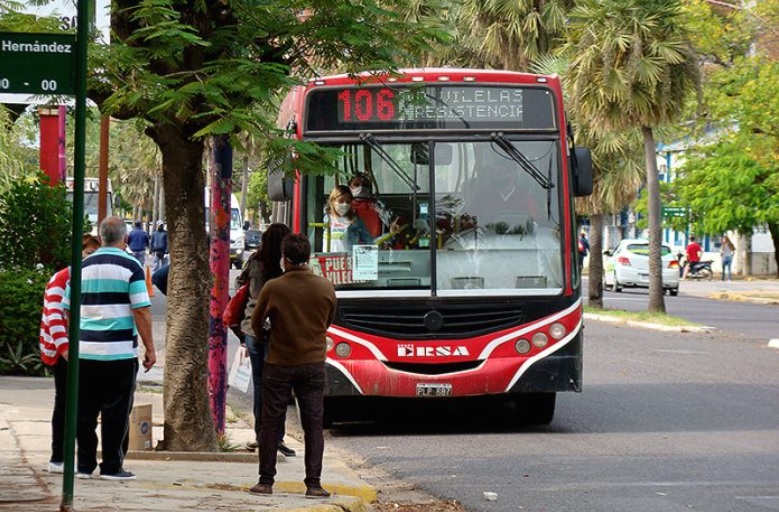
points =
(240, 376)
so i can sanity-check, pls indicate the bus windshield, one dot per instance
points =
(445, 218)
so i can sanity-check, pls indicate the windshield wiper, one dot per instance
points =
(522, 160)
(374, 145)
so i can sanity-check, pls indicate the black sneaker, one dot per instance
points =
(120, 475)
(285, 450)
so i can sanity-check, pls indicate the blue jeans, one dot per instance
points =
(727, 261)
(257, 351)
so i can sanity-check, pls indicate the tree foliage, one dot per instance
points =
(729, 189)
(34, 225)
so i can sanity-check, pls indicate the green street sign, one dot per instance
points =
(37, 63)
(674, 211)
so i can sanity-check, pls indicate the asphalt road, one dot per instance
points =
(757, 321)
(666, 422)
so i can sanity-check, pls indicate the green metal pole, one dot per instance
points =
(71, 402)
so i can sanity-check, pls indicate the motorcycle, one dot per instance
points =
(701, 270)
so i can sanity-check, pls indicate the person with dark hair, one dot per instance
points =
(693, 253)
(159, 246)
(53, 342)
(300, 307)
(366, 206)
(138, 240)
(263, 266)
(115, 310)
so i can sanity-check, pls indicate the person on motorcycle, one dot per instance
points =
(693, 254)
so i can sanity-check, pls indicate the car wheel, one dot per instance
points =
(673, 291)
(617, 286)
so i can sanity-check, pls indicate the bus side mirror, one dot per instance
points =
(279, 185)
(582, 172)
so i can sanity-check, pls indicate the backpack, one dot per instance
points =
(581, 247)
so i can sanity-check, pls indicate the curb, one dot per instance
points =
(197, 456)
(649, 325)
(737, 297)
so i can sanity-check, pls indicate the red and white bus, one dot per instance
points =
(471, 285)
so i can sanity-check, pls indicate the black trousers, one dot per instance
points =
(105, 388)
(308, 382)
(60, 370)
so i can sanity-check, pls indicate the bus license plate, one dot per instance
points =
(434, 390)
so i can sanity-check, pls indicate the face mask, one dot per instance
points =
(342, 208)
(281, 264)
(356, 191)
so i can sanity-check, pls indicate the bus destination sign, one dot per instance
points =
(37, 63)
(439, 106)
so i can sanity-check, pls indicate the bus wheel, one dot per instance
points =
(536, 408)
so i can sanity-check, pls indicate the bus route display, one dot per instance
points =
(437, 106)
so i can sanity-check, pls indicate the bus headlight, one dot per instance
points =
(522, 346)
(343, 349)
(328, 343)
(540, 340)
(557, 330)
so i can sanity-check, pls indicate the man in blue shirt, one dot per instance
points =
(138, 240)
(115, 309)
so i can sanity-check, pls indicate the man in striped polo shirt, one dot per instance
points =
(115, 309)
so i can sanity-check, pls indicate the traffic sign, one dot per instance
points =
(675, 211)
(37, 63)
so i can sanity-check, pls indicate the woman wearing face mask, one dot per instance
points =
(263, 266)
(346, 228)
(366, 206)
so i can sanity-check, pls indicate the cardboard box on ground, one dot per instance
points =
(141, 427)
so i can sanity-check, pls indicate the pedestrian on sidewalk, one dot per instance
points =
(138, 240)
(300, 307)
(584, 250)
(726, 252)
(53, 342)
(115, 309)
(159, 246)
(261, 267)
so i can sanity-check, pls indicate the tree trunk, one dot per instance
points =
(595, 298)
(656, 300)
(773, 228)
(188, 425)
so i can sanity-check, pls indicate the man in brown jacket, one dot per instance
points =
(300, 307)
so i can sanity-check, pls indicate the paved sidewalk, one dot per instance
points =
(167, 481)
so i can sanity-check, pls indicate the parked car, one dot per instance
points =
(253, 239)
(628, 266)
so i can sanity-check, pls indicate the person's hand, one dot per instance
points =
(394, 227)
(149, 359)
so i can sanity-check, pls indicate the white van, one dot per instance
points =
(237, 238)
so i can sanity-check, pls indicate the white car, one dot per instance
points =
(628, 266)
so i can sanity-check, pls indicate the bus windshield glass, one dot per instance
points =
(443, 218)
